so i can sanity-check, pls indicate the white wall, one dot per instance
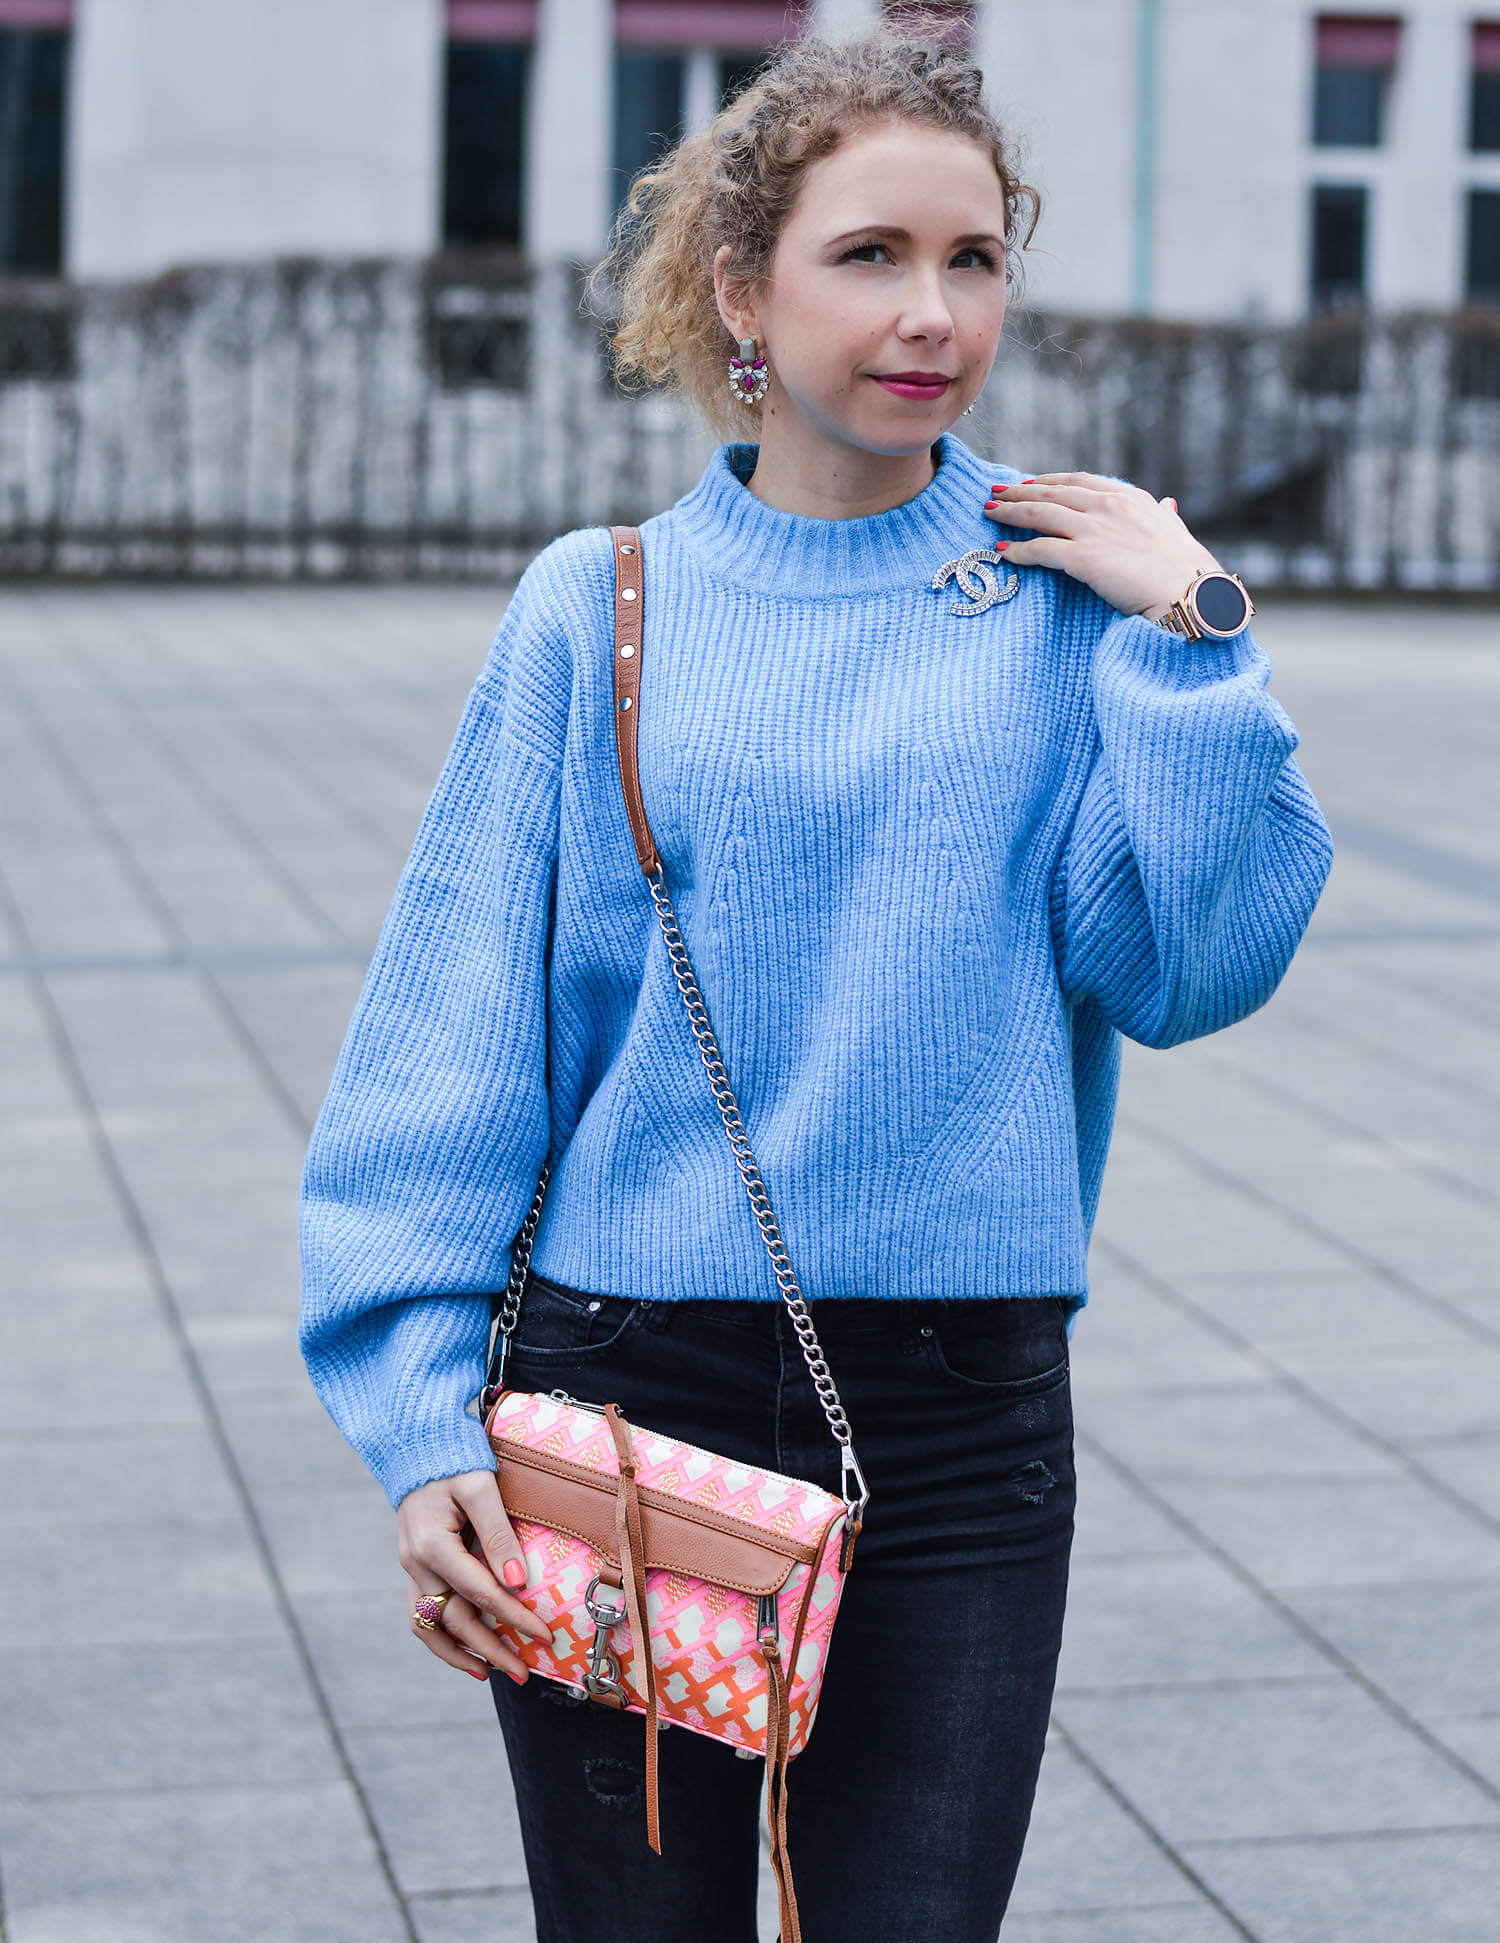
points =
(1073, 117)
(1233, 104)
(1417, 239)
(570, 120)
(217, 129)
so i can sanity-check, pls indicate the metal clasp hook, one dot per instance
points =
(606, 1606)
(856, 1495)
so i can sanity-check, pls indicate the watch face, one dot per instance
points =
(1221, 605)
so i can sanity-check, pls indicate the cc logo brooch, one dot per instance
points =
(978, 580)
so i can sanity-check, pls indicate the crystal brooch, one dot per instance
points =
(978, 580)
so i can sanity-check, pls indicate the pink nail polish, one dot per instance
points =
(515, 1572)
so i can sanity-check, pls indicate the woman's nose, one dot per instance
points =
(927, 314)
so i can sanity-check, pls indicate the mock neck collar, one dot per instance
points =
(739, 538)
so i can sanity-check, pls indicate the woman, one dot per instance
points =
(939, 834)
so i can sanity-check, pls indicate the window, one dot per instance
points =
(648, 109)
(1340, 217)
(1356, 56)
(1484, 87)
(488, 67)
(33, 67)
(1482, 254)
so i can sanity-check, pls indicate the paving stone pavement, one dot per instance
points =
(1278, 1714)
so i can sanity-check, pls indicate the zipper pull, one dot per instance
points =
(561, 1396)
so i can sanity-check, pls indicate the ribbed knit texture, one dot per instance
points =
(929, 867)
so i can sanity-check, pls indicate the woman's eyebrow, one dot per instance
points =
(889, 232)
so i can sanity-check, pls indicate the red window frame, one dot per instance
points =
(492, 20)
(1487, 46)
(36, 13)
(1358, 40)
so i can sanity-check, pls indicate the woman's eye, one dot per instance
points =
(864, 253)
(974, 260)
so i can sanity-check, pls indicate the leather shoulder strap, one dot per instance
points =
(630, 633)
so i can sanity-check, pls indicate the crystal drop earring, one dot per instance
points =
(748, 376)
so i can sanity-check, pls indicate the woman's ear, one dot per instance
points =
(734, 297)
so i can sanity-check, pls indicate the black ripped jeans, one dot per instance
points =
(908, 1809)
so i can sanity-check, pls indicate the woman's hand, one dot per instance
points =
(1133, 550)
(430, 1526)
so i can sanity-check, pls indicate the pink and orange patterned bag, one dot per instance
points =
(729, 1573)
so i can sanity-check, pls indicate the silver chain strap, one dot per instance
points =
(520, 1259)
(852, 1479)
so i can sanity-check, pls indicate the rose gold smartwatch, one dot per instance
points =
(1217, 604)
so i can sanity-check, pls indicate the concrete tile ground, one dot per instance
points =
(1278, 1715)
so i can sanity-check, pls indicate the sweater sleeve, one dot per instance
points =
(1198, 851)
(425, 1155)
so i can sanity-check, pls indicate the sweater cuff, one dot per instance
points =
(445, 1446)
(1171, 662)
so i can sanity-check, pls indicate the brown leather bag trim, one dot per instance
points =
(672, 1544)
(805, 1551)
(679, 1537)
(630, 626)
(630, 1542)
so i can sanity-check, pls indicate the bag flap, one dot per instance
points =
(680, 1536)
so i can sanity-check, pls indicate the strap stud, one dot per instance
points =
(627, 649)
(627, 593)
(624, 702)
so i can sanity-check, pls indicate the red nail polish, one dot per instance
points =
(990, 505)
(1001, 545)
(477, 1672)
(515, 1572)
(1028, 482)
(519, 1678)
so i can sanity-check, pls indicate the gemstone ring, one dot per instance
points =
(428, 1610)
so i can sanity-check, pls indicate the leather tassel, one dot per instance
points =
(632, 1548)
(777, 1756)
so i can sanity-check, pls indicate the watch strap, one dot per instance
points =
(1179, 619)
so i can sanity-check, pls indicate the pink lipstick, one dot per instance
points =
(923, 386)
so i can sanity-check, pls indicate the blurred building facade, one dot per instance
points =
(1200, 159)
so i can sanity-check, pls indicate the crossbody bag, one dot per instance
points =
(732, 1573)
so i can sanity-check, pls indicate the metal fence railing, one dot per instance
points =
(448, 416)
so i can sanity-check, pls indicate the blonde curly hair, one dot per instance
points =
(737, 181)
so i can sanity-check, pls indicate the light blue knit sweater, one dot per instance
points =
(929, 866)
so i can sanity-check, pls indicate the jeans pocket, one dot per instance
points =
(1008, 1348)
(569, 1325)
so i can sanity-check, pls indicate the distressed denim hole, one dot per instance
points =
(614, 1782)
(1033, 1483)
